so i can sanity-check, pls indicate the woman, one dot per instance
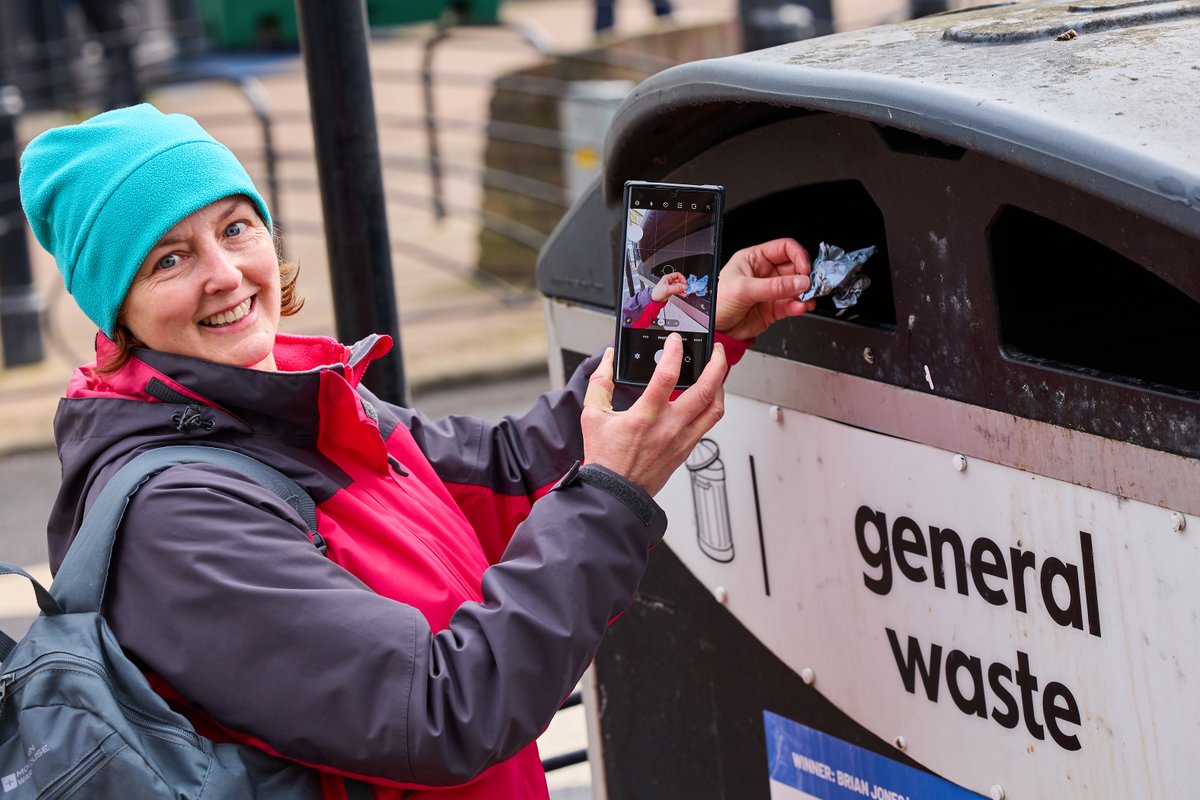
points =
(451, 613)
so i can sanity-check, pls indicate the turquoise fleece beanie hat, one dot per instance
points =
(99, 195)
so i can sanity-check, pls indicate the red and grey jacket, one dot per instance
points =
(640, 310)
(461, 598)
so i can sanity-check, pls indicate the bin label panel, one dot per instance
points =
(1015, 629)
(806, 764)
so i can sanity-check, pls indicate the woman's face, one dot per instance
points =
(210, 288)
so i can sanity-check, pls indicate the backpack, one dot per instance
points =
(77, 717)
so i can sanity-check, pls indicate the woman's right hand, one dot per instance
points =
(648, 442)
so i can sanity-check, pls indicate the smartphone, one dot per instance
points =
(668, 279)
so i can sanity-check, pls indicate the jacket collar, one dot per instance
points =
(287, 395)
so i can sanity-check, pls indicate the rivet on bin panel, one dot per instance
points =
(808, 676)
(776, 413)
(901, 743)
(1178, 522)
(868, 356)
(960, 462)
(722, 595)
(997, 792)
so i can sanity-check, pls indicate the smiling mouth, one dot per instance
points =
(229, 317)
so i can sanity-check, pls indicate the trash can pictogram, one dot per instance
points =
(707, 473)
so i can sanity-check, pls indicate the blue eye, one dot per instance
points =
(235, 229)
(167, 261)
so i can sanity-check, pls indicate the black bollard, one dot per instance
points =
(333, 40)
(767, 23)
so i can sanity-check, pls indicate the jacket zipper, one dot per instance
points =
(14, 680)
(80, 774)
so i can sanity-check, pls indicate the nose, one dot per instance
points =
(221, 272)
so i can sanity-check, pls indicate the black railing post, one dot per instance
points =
(50, 82)
(20, 307)
(431, 133)
(333, 40)
(116, 24)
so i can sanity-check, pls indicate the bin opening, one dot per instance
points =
(837, 212)
(1067, 299)
(901, 141)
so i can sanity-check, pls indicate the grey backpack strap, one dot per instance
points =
(45, 602)
(79, 583)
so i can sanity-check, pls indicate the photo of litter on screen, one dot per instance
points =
(668, 266)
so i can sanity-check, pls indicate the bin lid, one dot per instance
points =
(703, 455)
(1099, 95)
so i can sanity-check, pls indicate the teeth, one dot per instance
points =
(226, 317)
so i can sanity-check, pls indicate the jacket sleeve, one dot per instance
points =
(648, 315)
(496, 470)
(634, 304)
(219, 591)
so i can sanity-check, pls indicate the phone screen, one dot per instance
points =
(668, 280)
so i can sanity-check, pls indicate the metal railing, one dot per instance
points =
(573, 757)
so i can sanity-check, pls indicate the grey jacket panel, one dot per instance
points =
(516, 455)
(218, 590)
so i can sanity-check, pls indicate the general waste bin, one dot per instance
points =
(963, 515)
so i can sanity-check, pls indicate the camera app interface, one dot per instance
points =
(668, 278)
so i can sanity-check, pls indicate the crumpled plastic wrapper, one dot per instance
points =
(835, 272)
(697, 286)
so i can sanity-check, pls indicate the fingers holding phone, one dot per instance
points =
(647, 443)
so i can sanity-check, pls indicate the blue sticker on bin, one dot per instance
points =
(806, 764)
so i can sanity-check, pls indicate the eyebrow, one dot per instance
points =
(226, 210)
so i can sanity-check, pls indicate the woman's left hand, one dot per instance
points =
(760, 285)
(673, 283)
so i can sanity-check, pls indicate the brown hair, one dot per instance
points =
(290, 302)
